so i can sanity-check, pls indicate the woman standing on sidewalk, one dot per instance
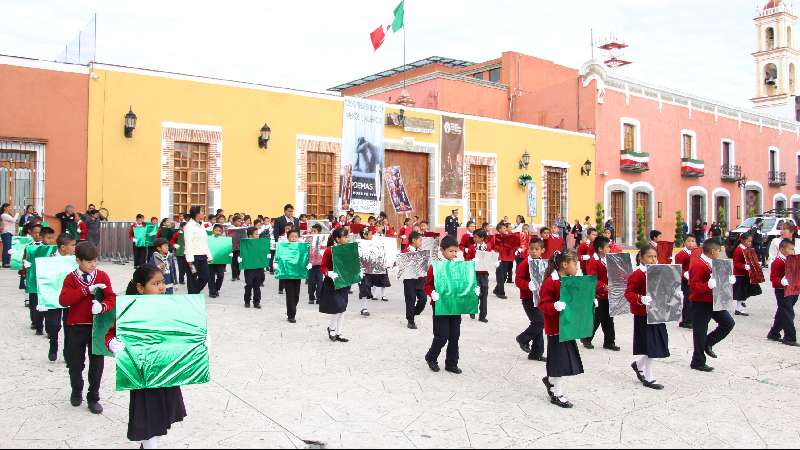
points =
(9, 230)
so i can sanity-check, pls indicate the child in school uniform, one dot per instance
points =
(466, 239)
(701, 287)
(405, 234)
(292, 287)
(314, 274)
(139, 253)
(563, 358)
(217, 271)
(54, 318)
(236, 273)
(478, 243)
(531, 341)
(783, 329)
(253, 278)
(446, 329)
(598, 267)
(506, 245)
(414, 289)
(273, 248)
(743, 289)
(151, 412)
(655, 236)
(586, 249)
(684, 258)
(78, 294)
(649, 341)
(48, 237)
(162, 259)
(334, 301)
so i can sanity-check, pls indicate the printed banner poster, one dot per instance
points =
(362, 155)
(530, 190)
(397, 190)
(452, 163)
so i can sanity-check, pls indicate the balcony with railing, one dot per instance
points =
(777, 179)
(693, 168)
(633, 161)
(731, 173)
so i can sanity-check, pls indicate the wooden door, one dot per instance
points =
(190, 179)
(414, 172)
(555, 190)
(479, 194)
(618, 214)
(320, 181)
(697, 209)
(643, 201)
(18, 178)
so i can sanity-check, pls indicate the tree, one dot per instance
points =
(680, 234)
(721, 220)
(641, 237)
(751, 212)
(599, 218)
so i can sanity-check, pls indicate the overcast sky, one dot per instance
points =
(701, 47)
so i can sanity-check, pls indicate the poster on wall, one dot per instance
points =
(530, 189)
(362, 155)
(397, 190)
(452, 163)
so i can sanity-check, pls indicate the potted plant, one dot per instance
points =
(524, 179)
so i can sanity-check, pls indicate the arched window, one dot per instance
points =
(770, 38)
(771, 78)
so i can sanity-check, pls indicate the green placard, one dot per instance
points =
(291, 260)
(145, 235)
(100, 326)
(455, 282)
(18, 244)
(50, 274)
(347, 265)
(210, 232)
(167, 234)
(180, 248)
(221, 249)
(32, 252)
(254, 253)
(72, 230)
(165, 341)
(577, 320)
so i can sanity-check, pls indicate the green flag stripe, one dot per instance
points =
(399, 15)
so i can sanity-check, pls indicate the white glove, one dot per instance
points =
(478, 291)
(497, 265)
(403, 237)
(732, 279)
(309, 266)
(177, 246)
(240, 259)
(686, 274)
(747, 267)
(208, 341)
(361, 274)
(784, 282)
(97, 307)
(532, 286)
(333, 275)
(596, 303)
(133, 240)
(585, 257)
(646, 300)
(559, 306)
(712, 284)
(94, 287)
(517, 252)
(434, 296)
(12, 252)
(116, 346)
(466, 250)
(230, 255)
(41, 308)
(26, 264)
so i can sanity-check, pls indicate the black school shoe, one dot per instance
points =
(587, 344)
(653, 385)
(639, 375)
(540, 358)
(524, 346)
(549, 388)
(685, 325)
(774, 337)
(257, 305)
(76, 399)
(95, 408)
(292, 320)
(703, 368)
(561, 402)
(412, 326)
(247, 305)
(341, 339)
(454, 370)
(791, 343)
(611, 347)
(434, 366)
(710, 352)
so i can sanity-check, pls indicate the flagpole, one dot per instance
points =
(405, 75)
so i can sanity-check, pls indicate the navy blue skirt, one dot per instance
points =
(563, 358)
(650, 340)
(332, 300)
(152, 412)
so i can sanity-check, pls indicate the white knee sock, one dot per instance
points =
(641, 363)
(381, 291)
(340, 324)
(648, 371)
(150, 443)
(333, 324)
(364, 304)
(558, 386)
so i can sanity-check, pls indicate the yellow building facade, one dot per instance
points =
(157, 169)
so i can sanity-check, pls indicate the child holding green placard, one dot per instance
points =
(446, 329)
(78, 294)
(563, 358)
(649, 341)
(334, 301)
(291, 286)
(253, 278)
(53, 318)
(217, 271)
(151, 412)
(139, 253)
(162, 259)
(48, 236)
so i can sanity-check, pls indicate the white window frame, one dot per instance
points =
(722, 143)
(637, 133)
(777, 151)
(693, 135)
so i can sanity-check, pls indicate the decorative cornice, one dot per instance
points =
(432, 76)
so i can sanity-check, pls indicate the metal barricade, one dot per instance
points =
(115, 243)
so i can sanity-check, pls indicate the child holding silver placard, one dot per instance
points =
(649, 341)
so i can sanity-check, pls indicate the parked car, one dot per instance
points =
(770, 229)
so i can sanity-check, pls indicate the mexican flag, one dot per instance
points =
(379, 35)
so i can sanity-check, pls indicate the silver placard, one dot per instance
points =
(664, 287)
(411, 266)
(537, 267)
(486, 261)
(722, 271)
(620, 267)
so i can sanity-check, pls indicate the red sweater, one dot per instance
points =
(405, 231)
(548, 296)
(684, 258)
(130, 232)
(327, 261)
(739, 261)
(523, 280)
(466, 241)
(699, 275)
(524, 243)
(777, 272)
(470, 252)
(596, 267)
(585, 249)
(75, 295)
(83, 230)
(636, 289)
(552, 244)
(506, 245)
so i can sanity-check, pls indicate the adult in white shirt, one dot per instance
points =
(9, 230)
(787, 232)
(195, 240)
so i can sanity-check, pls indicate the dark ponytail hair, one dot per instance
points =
(336, 235)
(141, 276)
(559, 258)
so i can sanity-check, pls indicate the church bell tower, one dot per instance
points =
(777, 59)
